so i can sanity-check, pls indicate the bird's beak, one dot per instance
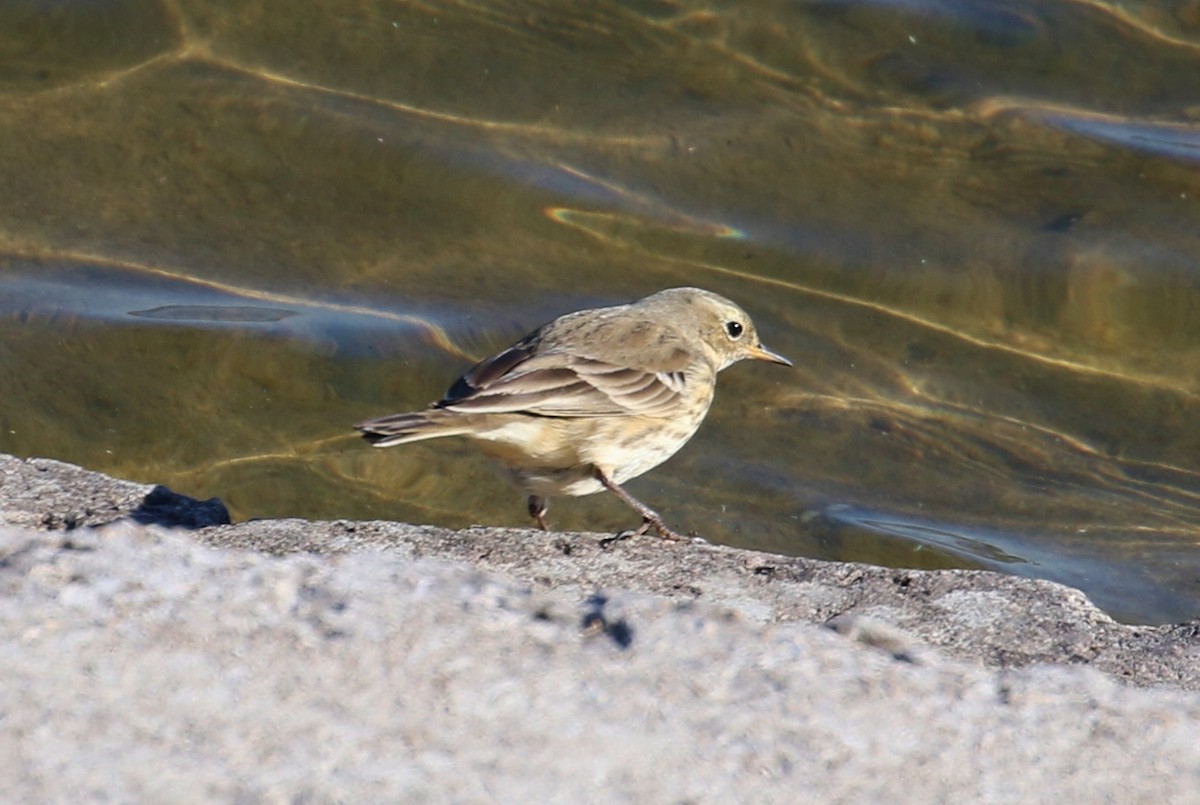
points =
(760, 353)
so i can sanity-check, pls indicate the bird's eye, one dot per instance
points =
(734, 328)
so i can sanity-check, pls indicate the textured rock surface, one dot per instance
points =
(382, 661)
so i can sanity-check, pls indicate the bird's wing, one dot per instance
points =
(533, 377)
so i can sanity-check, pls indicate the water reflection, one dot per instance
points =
(232, 230)
(983, 550)
(1171, 140)
(214, 313)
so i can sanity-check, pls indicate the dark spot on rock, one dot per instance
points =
(595, 622)
(73, 545)
(621, 633)
(173, 510)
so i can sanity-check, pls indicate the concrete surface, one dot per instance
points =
(320, 662)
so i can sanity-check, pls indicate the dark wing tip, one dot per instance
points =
(369, 435)
(367, 431)
(489, 370)
(461, 389)
(390, 427)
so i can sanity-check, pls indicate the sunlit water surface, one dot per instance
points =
(228, 231)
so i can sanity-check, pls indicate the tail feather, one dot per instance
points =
(403, 428)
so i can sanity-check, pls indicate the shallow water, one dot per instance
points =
(230, 231)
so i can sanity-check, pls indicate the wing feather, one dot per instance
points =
(559, 384)
(555, 371)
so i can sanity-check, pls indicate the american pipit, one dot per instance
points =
(593, 398)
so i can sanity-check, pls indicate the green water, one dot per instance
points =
(228, 231)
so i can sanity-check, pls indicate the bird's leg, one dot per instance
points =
(537, 510)
(649, 516)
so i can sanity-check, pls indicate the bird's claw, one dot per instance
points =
(658, 525)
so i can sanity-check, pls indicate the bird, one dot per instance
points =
(592, 399)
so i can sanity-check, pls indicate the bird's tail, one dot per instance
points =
(403, 428)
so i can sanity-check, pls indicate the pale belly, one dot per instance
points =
(551, 457)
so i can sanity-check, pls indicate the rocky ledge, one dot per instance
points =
(153, 651)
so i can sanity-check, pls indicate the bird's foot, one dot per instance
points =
(647, 523)
(662, 529)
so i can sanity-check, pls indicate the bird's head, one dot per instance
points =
(725, 330)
